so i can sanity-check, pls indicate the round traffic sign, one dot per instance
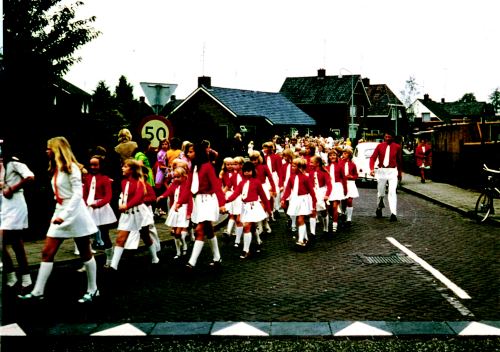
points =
(154, 128)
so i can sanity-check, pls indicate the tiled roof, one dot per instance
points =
(273, 106)
(437, 108)
(319, 90)
(380, 96)
(70, 88)
(457, 109)
(170, 106)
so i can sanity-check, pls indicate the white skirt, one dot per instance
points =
(337, 192)
(267, 186)
(300, 205)
(77, 224)
(133, 238)
(234, 208)
(178, 218)
(320, 198)
(352, 190)
(135, 218)
(14, 212)
(206, 208)
(103, 215)
(252, 212)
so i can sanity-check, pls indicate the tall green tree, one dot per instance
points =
(468, 98)
(495, 99)
(124, 91)
(409, 94)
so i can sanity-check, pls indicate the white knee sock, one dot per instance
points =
(152, 252)
(11, 279)
(239, 232)
(247, 239)
(257, 236)
(266, 225)
(230, 225)
(215, 248)
(198, 246)
(26, 280)
(349, 213)
(178, 245)
(91, 269)
(77, 252)
(294, 220)
(193, 239)
(334, 225)
(325, 223)
(302, 233)
(43, 276)
(183, 239)
(312, 223)
(117, 254)
(109, 254)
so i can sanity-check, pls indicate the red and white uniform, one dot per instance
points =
(178, 218)
(338, 180)
(300, 190)
(234, 208)
(97, 190)
(422, 159)
(322, 187)
(250, 190)
(285, 174)
(137, 214)
(265, 177)
(351, 169)
(205, 187)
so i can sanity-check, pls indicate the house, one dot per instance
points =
(380, 115)
(327, 99)
(429, 113)
(217, 114)
(69, 99)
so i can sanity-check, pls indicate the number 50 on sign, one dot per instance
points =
(154, 128)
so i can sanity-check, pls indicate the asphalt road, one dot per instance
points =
(331, 280)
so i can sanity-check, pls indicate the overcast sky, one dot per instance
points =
(451, 47)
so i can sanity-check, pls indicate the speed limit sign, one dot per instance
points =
(154, 128)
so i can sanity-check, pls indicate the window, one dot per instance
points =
(426, 116)
(369, 153)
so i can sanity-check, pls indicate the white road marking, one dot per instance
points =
(457, 290)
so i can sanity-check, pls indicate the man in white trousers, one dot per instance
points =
(390, 167)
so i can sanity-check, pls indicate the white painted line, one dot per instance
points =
(240, 329)
(478, 329)
(121, 330)
(11, 330)
(362, 329)
(457, 290)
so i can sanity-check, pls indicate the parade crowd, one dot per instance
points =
(310, 178)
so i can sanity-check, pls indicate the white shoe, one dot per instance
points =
(268, 228)
(77, 252)
(82, 269)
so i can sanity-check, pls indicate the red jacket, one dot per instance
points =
(208, 184)
(254, 191)
(421, 157)
(151, 197)
(170, 193)
(395, 158)
(323, 179)
(233, 181)
(225, 178)
(337, 172)
(275, 162)
(351, 170)
(262, 172)
(102, 189)
(282, 174)
(305, 187)
(135, 192)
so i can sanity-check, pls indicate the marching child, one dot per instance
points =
(234, 208)
(286, 171)
(178, 220)
(300, 190)
(249, 191)
(97, 195)
(225, 176)
(322, 187)
(135, 214)
(339, 187)
(273, 162)
(266, 179)
(351, 174)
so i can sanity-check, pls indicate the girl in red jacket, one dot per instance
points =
(135, 214)
(97, 195)
(265, 177)
(339, 187)
(209, 200)
(225, 176)
(322, 182)
(234, 208)
(286, 172)
(178, 220)
(351, 174)
(300, 190)
(250, 190)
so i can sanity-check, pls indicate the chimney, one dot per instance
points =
(205, 81)
(366, 82)
(426, 97)
(172, 98)
(442, 100)
(321, 72)
(142, 99)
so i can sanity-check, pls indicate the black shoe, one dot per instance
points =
(216, 264)
(422, 180)
(393, 218)
(378, 213)
(99, 247)
(348, 224)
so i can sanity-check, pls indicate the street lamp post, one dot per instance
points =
(352, 100)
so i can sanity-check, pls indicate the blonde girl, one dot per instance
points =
(339, 187)
(265, 176)
(285, 173)
(322, 182)
(234, 208)
(135, 214)
(178, 220)
(70, 220)
(351, 174)
(301, 193)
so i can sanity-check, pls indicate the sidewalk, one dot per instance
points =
(66, 251)
(452, 197)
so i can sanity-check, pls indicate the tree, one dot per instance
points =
(467, 98)
(124, 91)
(409, 94)
(495, 99)
(101, 96)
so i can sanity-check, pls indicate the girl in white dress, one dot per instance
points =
(15, 219)
(70, 220)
